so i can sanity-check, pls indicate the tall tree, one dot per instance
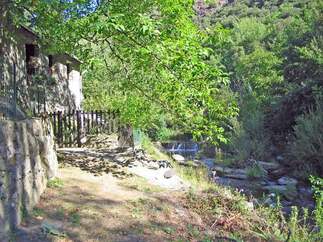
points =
(142, 56)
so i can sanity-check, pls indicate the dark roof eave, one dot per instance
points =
(24, 28)
(29, 31)
(74, 58)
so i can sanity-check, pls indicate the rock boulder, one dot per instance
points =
(288, 181)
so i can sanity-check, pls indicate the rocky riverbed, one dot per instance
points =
(262, 181)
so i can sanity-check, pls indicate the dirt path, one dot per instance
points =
(102, 201)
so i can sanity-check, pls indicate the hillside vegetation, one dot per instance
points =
(244, 76)
(272, 52)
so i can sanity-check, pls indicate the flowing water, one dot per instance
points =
(187, 149)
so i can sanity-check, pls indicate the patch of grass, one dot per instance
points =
(193, 231)
(74, 217)
(37, 212)
(152, 150)
(136, 213)
(137, 207)
(148, 207)
(55, 183)
(140, 184)
(227, 213)
(169, 230)
(196, 176)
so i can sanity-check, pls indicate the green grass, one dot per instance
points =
(75, 218)
(152, 150)
(55, 183)
(255, 171)
(197, 177)
(37, 212)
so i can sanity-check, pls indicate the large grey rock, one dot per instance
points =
(285, 180)
(11, 111)
(236, 175)
(269, 165)
(231, 173)
(289, 192)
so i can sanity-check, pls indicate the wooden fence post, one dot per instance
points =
(60, 128)
(78, 124)
(70, 131)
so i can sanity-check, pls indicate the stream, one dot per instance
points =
(276, 181)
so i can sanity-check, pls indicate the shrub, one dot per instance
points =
(164, 134)
(256, 171)
(306, 148)
(317, 184)
(249, 139)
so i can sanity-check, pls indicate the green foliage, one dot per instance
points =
(164, 134)
(248, 138)
(272, 52)
(55, 183)
(153, 151)
(143, 58)
(307, 146)
(317, 185)
(38, 212)
(263, 223)
(256, 171)
(75, 218)
(248, 31)
(313, 50)
(298, 227)
(196, 176)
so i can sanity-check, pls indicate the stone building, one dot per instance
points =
(36, 79)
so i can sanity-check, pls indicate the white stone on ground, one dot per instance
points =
(156, 177)
(178, 157)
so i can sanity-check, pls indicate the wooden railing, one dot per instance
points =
(71, 127)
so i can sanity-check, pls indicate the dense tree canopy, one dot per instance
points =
(144, 58)
(272, 51)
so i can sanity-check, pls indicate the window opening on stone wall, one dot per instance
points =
(68, 66)
(32, 60)
(50, 61)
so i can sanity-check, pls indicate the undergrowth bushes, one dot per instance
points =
(306, 148)
(228, 214)
(248, 137)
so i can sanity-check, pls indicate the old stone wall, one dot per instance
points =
(27, 161)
